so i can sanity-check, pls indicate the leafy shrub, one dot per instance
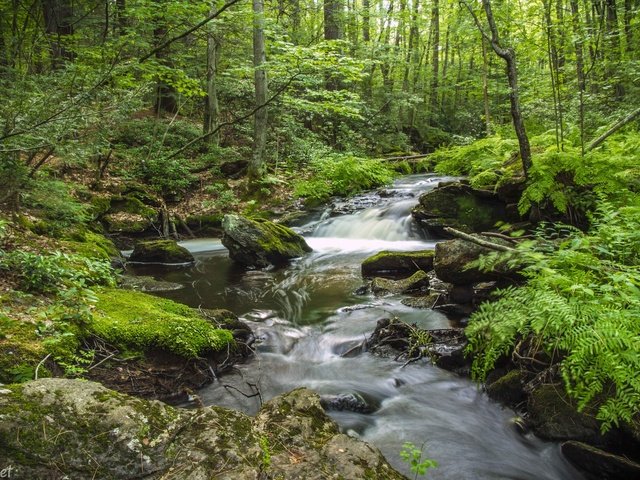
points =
(55, 204)
(58, 271)
(581, 306)
(343, 175)
(166, 175)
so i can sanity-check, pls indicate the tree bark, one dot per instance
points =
(58, 24)
(211, 109)
(509, 56)
(256, 165)
(165, 96)
(435, 28)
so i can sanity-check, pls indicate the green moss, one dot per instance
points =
(135, 320)
(20, 350)
(90, 244)
(278, 238)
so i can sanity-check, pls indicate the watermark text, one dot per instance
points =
(6, 472)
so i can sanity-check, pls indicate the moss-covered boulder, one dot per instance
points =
(452, 258)
(127, 214)
(554, 416)
(261, 243)
(80, 429)
(416, 282)
(160, 251)
(508, 388)
(137, 321)
(459, 206)
(397, 264)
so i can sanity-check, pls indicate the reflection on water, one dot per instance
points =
(307, 316)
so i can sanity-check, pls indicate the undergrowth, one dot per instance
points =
(342, 175)
(581, 305)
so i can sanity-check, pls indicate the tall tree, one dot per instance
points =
(211, 107)
(256, 165)
(508, 54)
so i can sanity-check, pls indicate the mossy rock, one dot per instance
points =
(553, 416)
(597, 464)
(397, 264)
(136, 321)
(103, 434)
(91, 245)
(508, 389)
(160, 251)
(123, 222)
(261, 243)
(459, 206)
(452, 258)
(417, 281)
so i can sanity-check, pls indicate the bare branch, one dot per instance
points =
(478, 241)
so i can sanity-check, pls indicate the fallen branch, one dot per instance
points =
(616, 126)
(405, 157)
(478, 241)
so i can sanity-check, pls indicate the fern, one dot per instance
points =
(581, 301)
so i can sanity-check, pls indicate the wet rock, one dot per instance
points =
(553, 416)
(234, 169)
(508, 388)
(445, 347)
(397, 264)
(80, 429)
(260, 243)
(455, 310)
(451, 260)
(144, 283)
(459, 206)
(350, 402)
(384, 286)
(160, 251)
(597, 464)
(424, 301)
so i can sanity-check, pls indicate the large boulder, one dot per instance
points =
(261, 243)
(80, 429)
(459, 206)
(452, 258)
(598, 464)
(160, 251)
(397, 264)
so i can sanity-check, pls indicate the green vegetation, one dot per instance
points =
(140, 322)
(579, 307)
(343, 176)
(414, 457)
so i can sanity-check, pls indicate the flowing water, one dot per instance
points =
(308, 315)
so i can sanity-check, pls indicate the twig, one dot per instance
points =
(35, 375)
(478, 241)
(190, 30)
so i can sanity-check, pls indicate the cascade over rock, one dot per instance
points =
(80, 429)
(459, 206)
(261, 243)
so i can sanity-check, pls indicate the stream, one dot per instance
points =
(307, 315)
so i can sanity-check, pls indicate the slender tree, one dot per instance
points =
(256, 165)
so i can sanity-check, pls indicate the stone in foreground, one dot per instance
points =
(160, 251)
(397, 264)
(260, 243)
(80, 429)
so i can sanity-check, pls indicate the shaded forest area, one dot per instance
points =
(127, 119)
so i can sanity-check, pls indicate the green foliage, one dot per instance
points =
(343, 175)
(581, 305)
(53, 202)
(134, 320)
(413, 456)
(55, 272)
(566, 178)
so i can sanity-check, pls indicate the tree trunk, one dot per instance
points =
(577, 45)
(166, 97)
(435, 28)
(211, 100)
(58, 25)
(366, 21)
(256, 165)
(509, 56)
(333, 19)
(485, 88)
